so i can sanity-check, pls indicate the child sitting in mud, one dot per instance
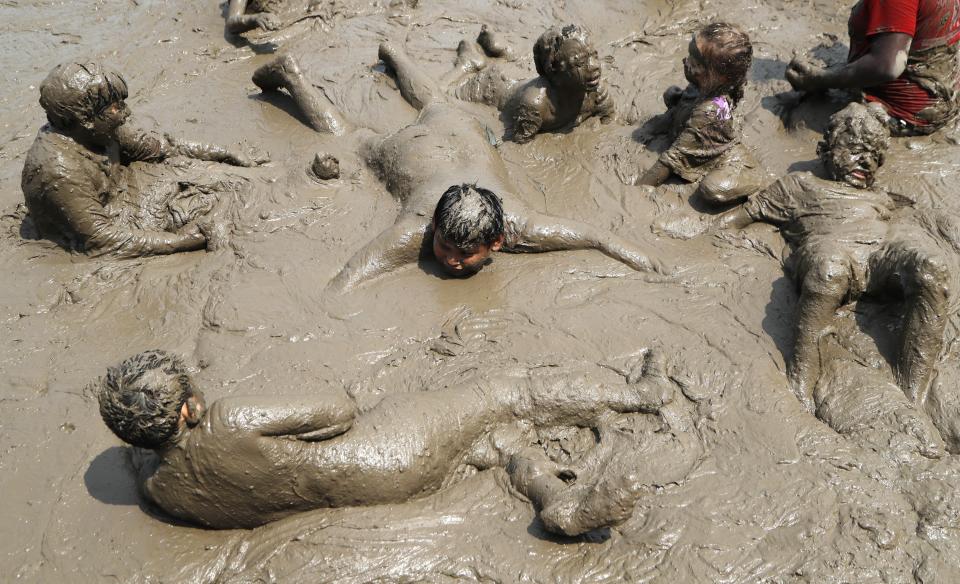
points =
(74, 168)
(846, 246)
(702, 120)
(568, 91)
(436, 155)
(246, 461)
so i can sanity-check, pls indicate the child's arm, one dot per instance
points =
(238, 21)
(398, 246)
(527, 122)
(100, 233)
(212, 153)
(145, 146)
(541, 233)
(321, 416)
(656, 175)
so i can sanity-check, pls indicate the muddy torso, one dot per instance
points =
(226, 473)
(65, 183)
(444, 147)
(810, 208)
(702, 131)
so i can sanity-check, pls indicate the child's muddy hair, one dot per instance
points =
(727, 55)
(546, 51)
(74, 93)
(140, 399)
(865, 126)
(468, 216)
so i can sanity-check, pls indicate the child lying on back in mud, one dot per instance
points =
(246, 461)
(702, 120)
(568, 91)
(73, 170)
(846, 246)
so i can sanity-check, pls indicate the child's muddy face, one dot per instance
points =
(107, 120)
(461, 262)
(851, 162)
(581, 66)
(693, 65)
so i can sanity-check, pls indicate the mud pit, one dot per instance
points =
(753, 489)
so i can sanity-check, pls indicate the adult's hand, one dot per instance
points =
(804, 75)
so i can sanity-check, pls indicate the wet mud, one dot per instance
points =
(733, 481)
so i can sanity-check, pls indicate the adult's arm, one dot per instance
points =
(884, 61)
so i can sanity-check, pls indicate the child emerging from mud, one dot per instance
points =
(569, 89)
(247, 461)
(72, 172)
(702, 120)
(851, 240)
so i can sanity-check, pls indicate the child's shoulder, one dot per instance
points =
(717, 108)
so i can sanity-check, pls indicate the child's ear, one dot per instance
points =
(497, 243)
(194, 406)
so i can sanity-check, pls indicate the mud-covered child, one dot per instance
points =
(245, 461)
(702, 120)
(852, 240)
(74, 169)
(568, 90)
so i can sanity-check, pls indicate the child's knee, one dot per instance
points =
(723, 187)
(827, 277)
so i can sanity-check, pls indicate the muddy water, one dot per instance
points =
(752, 488)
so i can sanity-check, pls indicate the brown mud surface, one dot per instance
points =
(752, 489)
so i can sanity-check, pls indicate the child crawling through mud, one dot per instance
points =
(74, 170)
(702, 120)
(436, 156)
(846, 246)
(569, 90)
(246, 461)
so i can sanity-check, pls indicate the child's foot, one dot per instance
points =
(650, 384)
(493, 45)
(469, 58)
(274, 74)
(605, 501)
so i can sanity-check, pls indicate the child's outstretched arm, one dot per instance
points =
(542, 233)
(238, 21)
(656, 175)
(398, 246)
(136, 144)
(323, 415)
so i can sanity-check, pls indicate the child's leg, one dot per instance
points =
(736, 179)
(284, 73)
(923, 275)
(826, 282)
(415, 86)
(603, 495)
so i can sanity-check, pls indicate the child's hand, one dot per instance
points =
(672, 95)
(266, 21)
(253, 158)
(682, 226)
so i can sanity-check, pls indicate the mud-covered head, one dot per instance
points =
(855, 144)
(87, 95)
(146, 399)
(467, 227)
(719, 59)
(567, 58)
